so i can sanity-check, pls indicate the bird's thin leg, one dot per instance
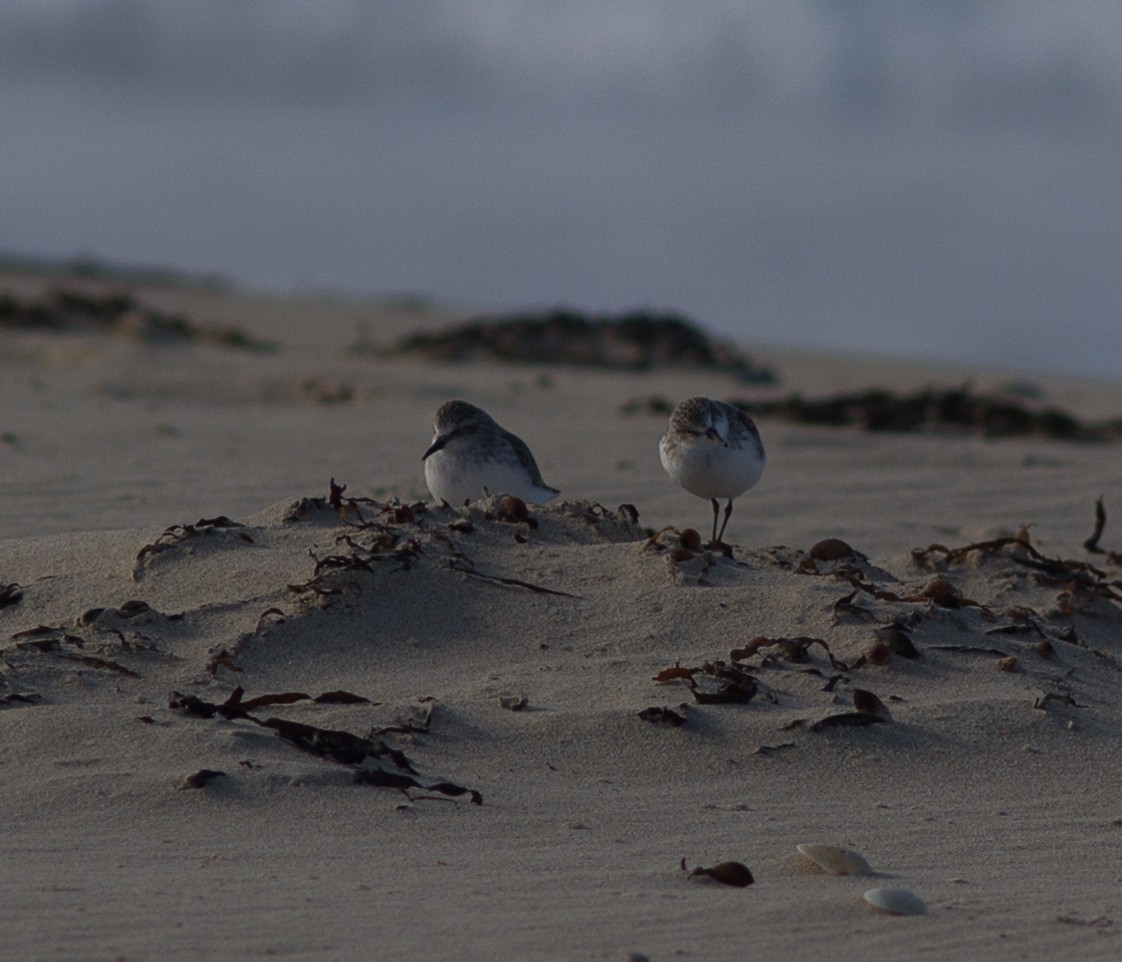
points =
(728, 511)
(716, 510)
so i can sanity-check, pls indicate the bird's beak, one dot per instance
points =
(712, 435)
(436, 445)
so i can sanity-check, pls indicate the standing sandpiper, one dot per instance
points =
(713, 450)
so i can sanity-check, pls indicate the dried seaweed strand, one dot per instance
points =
(512, 582)
(1092, 543)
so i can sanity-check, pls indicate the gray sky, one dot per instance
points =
(928, 179)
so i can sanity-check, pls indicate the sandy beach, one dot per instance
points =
(437, 734)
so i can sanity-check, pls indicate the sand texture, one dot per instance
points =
(238, 720)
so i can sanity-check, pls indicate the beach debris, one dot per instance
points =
(10, 594)
(663, 716)
(1073, 575)
(867, 703)
(21, 698)
(897, 642)
(735, 874)
(513, 510)
(834, 860)
(513, 702)
(935, 411)
(118, 313)
(59, 641)
(200, 778)
(850, 719)
(690, 539)
(633, 340)
(684, 545)
(1092, 543)
(339, 696)
(176, 535)
(373, 761)
(832, 549)
(1097, 921)
(1060, 697)
(383, 778)
(773, 749)
(895, 901)
(789, 649)
(970, 650)
(335, 494)
(128, 611)
(222, 659)
(1009, 663)
(942, 592)
(510, 582)
(713, 683)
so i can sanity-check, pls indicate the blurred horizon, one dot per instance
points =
(929, 181)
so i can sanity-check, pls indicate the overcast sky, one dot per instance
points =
(938, 179)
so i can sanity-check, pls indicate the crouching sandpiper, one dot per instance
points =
(472, 457)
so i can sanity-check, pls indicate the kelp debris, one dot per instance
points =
(339, 746)
(1079, 575)
(21, 698)
(851, 719)
(10, 594)
(174, 536)
(714, 682)
(386, 779)
(595, 514)
(509, 582)
(662, 716)
(867, 703)
(1092, 543)
(59, 641)
(129, 611)
(897, 641)
(789, 649)
(735, 874)
(200, 778)
(833, 549)
(773, 749)
(935, 410)
(971, 650)
(633, 340)
(340, 697)
(1061, 697)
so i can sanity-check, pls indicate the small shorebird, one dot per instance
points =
(471, 457)
(713, 450)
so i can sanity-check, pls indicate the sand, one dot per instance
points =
(509, 662)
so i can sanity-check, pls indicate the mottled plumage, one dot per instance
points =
(712, 450)
(471, 457)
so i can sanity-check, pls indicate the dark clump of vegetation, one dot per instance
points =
(932, 410)
(634, 340)
(90, 268)
(64, 309)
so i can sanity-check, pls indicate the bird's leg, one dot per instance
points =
(728, 511)
(716, 510)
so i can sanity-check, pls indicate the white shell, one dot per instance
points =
(896, 901)
(834, 860)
